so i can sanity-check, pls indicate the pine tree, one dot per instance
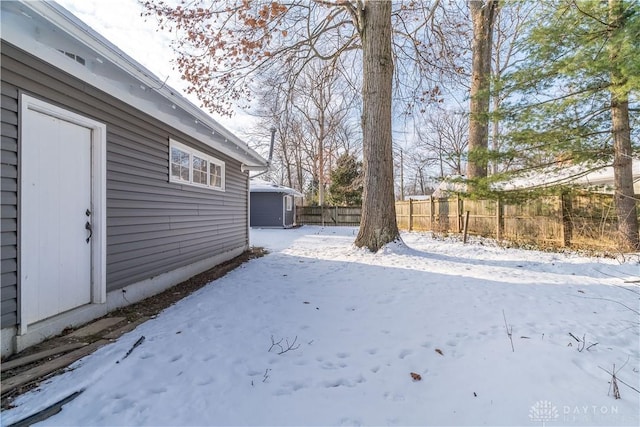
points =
(570, 95)
(346, 181)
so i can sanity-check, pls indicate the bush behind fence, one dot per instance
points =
(581, 221)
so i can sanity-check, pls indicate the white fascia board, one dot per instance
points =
(158, 99)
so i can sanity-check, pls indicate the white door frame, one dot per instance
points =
(98, 198)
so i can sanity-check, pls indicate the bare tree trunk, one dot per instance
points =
(495, 129)
(321, 158)
(482, 17)
(378, 224)
(624, 198)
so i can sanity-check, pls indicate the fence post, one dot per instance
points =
(432, 208)
(410, 214)
(466, 227)
(567, 225)
(460, 208)
(499, 220)
(458, 214)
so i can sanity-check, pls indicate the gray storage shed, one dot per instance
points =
(272, 205)
(111, 180)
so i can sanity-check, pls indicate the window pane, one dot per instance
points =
(184, 159)
(179, 169)
(184, 173)
(199, 164)
(199, 177)
(175, 170)
(199, 170)
(216, 175)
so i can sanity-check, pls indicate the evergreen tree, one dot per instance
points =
(346, 181)
(570, 95)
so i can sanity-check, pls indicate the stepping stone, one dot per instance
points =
(16, 363)
(96, 327)
(36, 373)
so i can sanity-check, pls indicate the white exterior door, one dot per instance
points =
(58, 219)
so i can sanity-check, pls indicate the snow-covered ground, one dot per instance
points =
(358, 325)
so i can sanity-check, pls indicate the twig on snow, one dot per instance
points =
(283, 349)
(615, 379)
(509, 331)
(136, 344)
(617, 302)
(265, 376)
(582, 343)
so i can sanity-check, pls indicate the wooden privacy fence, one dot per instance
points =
(577, 220)
(584, 221)
(329, 215)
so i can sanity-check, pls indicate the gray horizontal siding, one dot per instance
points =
(153, 225)
(9, 201)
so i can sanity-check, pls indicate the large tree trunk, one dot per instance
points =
(624, 198)
(482, 17)
(378, 224)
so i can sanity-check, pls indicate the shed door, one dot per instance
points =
(56, 215)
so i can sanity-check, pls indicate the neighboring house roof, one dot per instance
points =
(450, 185)
(260, 186)
(51, 33)
(593, 176)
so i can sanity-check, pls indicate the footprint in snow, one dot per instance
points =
(394, 397)
(205, 382)
(328, 365)
(404, 353)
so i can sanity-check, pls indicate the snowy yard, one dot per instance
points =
(359, 324)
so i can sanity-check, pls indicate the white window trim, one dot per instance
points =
(288, 203)
(193, 152)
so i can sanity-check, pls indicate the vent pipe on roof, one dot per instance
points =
(273, 138)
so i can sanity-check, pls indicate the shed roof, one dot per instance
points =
(260, 186)
(53, 34)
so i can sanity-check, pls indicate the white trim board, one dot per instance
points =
(98, 197)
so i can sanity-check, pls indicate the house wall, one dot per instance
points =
(290, 216)
(9, 190)
(266, 209)
(153, 226)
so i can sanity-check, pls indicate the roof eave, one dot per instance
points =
(202, 127)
